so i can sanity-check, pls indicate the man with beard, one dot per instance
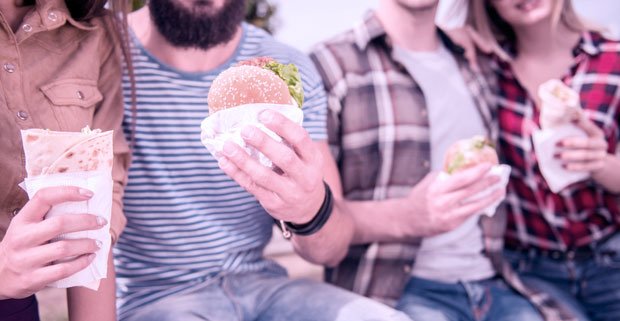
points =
(192, 248)
(418, 242)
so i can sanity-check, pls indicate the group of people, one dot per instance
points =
(357, 186)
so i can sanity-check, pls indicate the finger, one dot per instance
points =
(281, 155)
(476, 207)
(584, 143)
(36, 209)
(249, 173)
(581, 155)
(463, 178)
(291, 132)
(52, 227)
(457, 197)
(61, 251)
(52, 273)
(584, 166)
(591, 129)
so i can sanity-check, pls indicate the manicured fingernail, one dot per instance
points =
(229, 150)
(559, 144)
(85, 192)
(266, 116)
(248, 132)
(99, 244)
(101, 221)
(556, 155)
(91, 257)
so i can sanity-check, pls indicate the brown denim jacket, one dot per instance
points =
(59, 74)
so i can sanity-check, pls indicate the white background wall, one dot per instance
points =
(303, 23)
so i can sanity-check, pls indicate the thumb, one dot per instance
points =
(36, 209)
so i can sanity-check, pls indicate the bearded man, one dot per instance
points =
(192, 248)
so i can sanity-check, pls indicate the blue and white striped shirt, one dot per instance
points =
(187, 221)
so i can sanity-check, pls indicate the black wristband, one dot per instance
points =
(318, 221)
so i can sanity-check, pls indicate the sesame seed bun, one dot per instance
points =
(247, 84)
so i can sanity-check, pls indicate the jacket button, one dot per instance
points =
(9, 67)
(22, 115)
(80, 95)
(27, 27)
(52, 16)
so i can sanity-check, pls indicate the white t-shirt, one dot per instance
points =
(458, 254)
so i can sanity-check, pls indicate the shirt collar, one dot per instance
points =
(371, 30)
(54, 13)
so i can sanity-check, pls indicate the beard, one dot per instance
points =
(194, 27)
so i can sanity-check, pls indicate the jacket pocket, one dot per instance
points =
(73, 92)
(73, 102)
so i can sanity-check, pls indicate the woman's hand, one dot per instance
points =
(584, 154)
(26, 255)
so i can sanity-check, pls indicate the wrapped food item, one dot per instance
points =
(471, 152)
(560, 104)
(83, 159)
(468, 153)
(560, 107)
(240, 93)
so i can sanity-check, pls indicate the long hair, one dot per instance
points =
(495, 30)
(82, 10)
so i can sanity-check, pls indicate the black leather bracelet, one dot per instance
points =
(317, 222)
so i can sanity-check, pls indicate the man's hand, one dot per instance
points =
(443, 205)
(295, 191)
(26, 254)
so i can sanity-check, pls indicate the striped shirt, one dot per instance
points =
(187, 221)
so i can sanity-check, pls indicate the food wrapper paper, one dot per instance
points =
(545, 146)
(226, 125)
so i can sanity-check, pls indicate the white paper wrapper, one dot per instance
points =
(101, 183)
(545, 146)
(226, 125)
(503, 172)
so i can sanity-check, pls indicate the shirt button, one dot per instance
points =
(52, 16)
(27, 27)
(424, 113)
(407, 268)
(80, 95)
(22, 115)
(426, 164)
(15, 212)
(9, 67)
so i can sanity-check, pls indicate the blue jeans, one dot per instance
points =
(267, 296)
(590, 288)
(488, 300)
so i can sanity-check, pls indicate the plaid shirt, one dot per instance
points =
(584, 212)
(379, 134)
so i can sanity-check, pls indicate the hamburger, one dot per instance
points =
(467, 153)
(254, 81)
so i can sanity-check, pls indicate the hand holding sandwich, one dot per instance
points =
(26, 254)
(293, 193)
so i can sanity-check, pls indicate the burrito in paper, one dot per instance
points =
(560, 107)
(83, 159)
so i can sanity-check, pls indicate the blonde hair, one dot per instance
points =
(495, 30)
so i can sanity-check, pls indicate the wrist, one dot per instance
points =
(316, 223)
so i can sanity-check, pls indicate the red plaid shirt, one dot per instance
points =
(583, 212)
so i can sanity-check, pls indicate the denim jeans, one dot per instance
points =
(487, 300)
(590, 288)
(267, 296)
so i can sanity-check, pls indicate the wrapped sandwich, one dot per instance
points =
(83, 159)
(467, 153)
(240, 93)
(559, 108)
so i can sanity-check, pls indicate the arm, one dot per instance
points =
(85, 304)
